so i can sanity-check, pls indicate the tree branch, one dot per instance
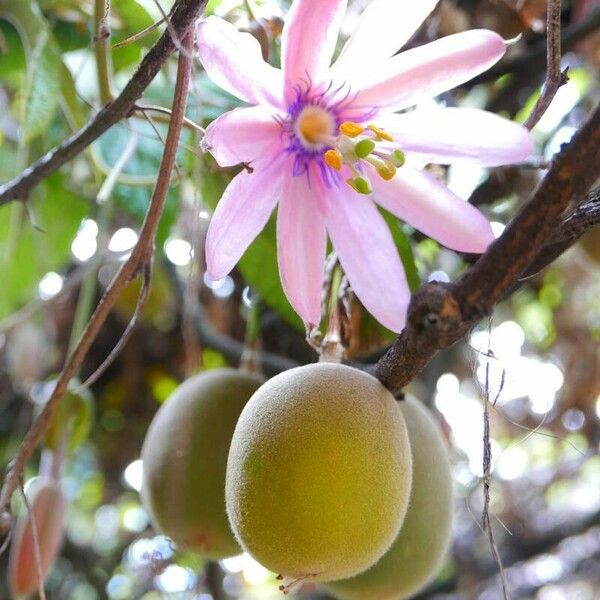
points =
(555, 78)
(441, 314)
(184, 13)
(140, 257)
(581, 219)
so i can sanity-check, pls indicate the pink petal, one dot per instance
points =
(368, 255)
(429, 70)
(308, 40)
(242, 135)
(384, 27)
(233, 60)
(451, 135)
(301, 242)
(242, 213)
(422, 201)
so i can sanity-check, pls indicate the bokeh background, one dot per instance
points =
(537, 359)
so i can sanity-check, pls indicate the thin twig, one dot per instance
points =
(139, 35)
(174, 35)
(7, 539)
(583, 218)
(487, 466)
(139, 307)
(165, 111)
(140, 256)
(555, 78)
(183, 15)
(152, 124)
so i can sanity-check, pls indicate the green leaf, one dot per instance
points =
(47, 77)
(12, 59)
(72, 106)
(71, 36)
(39, 99)
(405, 250)
(212, 6)
(135, 18)
(57, 212)
(213, 184)
(26, 17)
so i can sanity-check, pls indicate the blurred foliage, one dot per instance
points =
(545, 425)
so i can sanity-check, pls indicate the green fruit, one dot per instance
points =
(47, 505)
(319, 473)
(184, 459)
(417, 555)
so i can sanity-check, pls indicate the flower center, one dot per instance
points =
(315, 127)
(324, 128)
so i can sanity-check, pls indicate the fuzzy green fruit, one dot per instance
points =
(319, 473)
(417, 555)
(185, 456)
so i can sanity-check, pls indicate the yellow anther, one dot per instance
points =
(380, 133)
(351, 129)
(386, 170)
(334, 159)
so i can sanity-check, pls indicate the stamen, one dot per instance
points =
(381, 134)
(364, 148)
(384, 167)
(360, 185)
(386, 170)
(351, 129)
(347, 151)
(334, 159)
(398, 158)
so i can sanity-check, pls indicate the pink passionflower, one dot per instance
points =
(326, 143)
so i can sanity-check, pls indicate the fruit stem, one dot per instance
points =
(332, 347)
(249, 363)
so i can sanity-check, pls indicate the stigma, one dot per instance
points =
(315, 127)
(358, 145)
